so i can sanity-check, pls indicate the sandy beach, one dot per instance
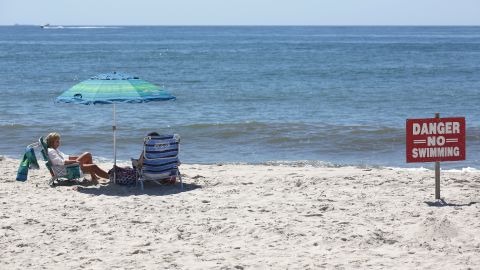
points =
(244, 217)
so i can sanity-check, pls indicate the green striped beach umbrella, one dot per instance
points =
(112, 88)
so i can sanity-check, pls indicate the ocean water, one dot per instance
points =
(315, 95)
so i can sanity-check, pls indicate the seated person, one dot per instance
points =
(59, 159)
(139, 163)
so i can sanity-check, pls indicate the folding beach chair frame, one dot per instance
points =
(44, 150)
(140, 174)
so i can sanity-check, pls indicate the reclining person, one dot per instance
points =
(59, 159)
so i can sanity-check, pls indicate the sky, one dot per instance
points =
(240, 12)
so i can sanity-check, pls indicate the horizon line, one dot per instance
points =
(253, 25)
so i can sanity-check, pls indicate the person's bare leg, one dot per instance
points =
(89, 170)
(85, 158)
(94, 171)
(101, 173)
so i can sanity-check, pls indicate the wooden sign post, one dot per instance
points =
(437, 171)
(435, 140)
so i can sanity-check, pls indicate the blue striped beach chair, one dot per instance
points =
(160, 159)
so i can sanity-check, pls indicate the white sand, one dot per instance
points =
(244, 217)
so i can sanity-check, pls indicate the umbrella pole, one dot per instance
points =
(114, 128)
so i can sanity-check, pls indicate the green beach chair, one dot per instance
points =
(70, 172)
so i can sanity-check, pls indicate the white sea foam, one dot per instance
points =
(423, 169)
(464, 170)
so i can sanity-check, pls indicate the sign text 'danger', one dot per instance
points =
(435, 139)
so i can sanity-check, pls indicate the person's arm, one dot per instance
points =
(68, 162)
(57, 159)
(67, 159)
(140, 161)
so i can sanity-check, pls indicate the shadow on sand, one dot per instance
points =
(70, 183)
(152, 189)
(443, 203)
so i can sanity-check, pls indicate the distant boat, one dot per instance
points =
(48, 26)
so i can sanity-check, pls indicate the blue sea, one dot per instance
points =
(296, 95)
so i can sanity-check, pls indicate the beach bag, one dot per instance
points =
(123, 175)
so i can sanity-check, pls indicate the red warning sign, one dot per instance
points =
(435, 139)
